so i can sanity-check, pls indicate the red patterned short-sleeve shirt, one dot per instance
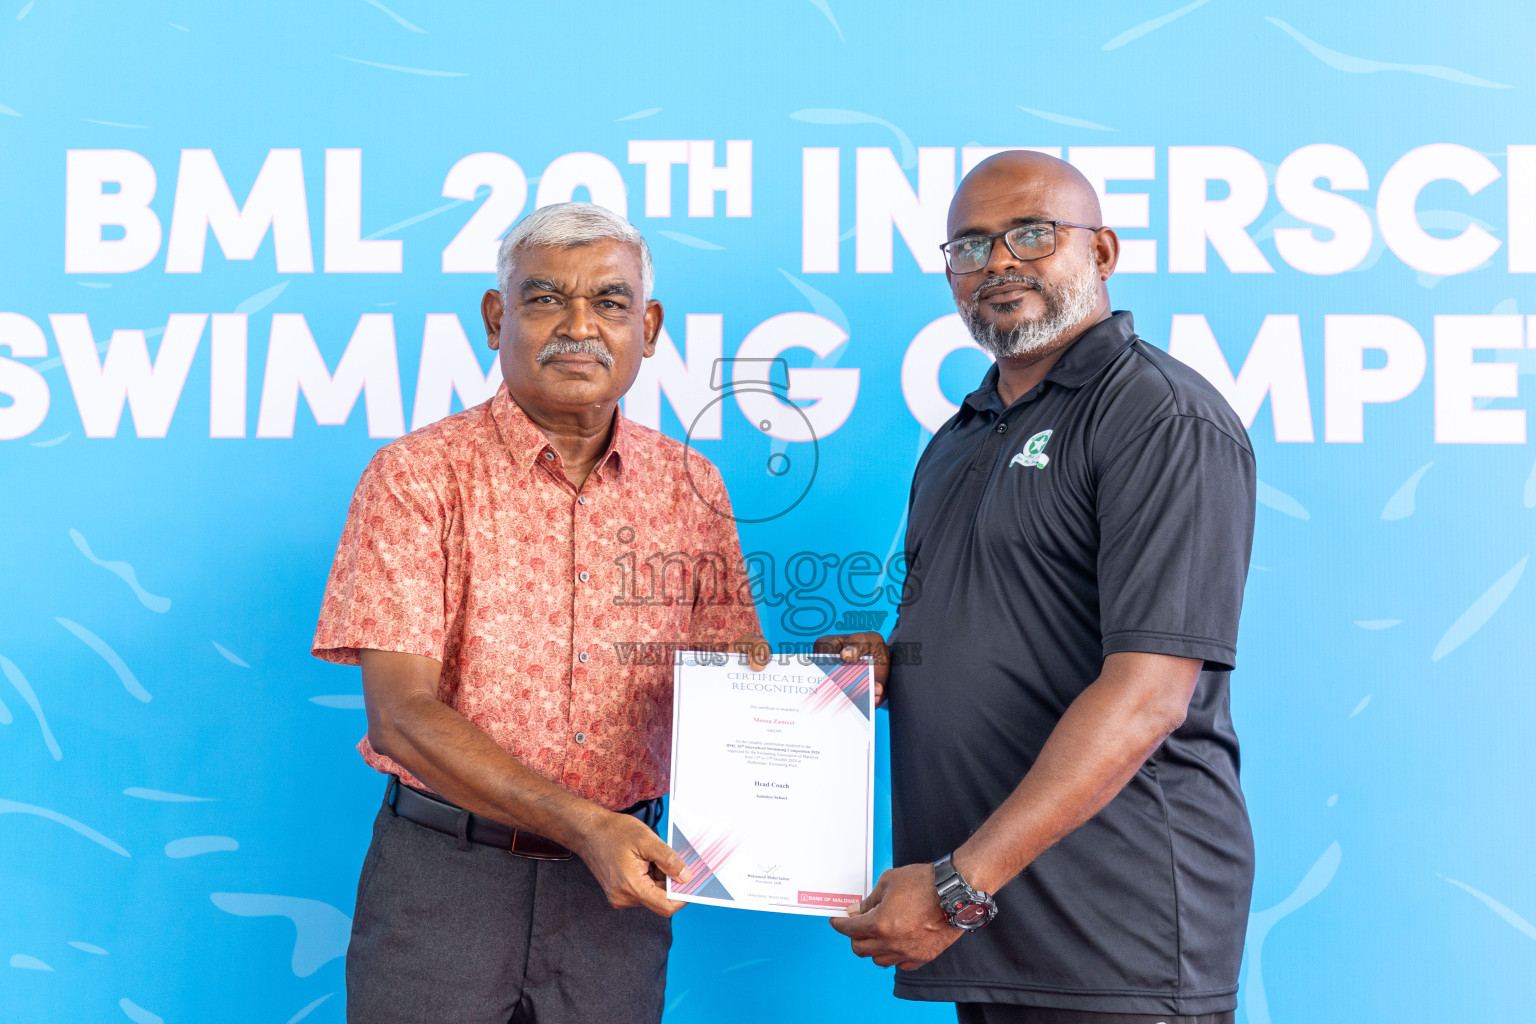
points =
(553, 610)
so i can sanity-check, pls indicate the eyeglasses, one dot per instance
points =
(1033, 241)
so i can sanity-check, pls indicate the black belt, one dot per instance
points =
(432, 811)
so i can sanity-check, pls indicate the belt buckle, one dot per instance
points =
(531, 855)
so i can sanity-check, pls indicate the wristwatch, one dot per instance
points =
(966, 908)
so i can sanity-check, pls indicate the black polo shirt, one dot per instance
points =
(1108, 509)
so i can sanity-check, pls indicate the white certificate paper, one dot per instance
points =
(773, 776)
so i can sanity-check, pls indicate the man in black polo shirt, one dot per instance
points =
(1078, 539)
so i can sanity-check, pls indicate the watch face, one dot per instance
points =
(971, 914)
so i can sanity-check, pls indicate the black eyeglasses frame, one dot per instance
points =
(1056, 225)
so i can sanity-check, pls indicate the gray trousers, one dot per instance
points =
(459, 933)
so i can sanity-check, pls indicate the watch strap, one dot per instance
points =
(957, 898)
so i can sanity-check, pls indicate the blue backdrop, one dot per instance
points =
(182, 815)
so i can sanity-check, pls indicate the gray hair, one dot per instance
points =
(569, 225)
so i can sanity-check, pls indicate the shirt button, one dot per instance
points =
(581, 499)
(550, 456)
(581, 737)
(582, 656)
(1002, 428)
(584, 576)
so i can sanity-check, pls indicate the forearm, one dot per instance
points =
(439, 746)
(461, 763)
(1098, 745)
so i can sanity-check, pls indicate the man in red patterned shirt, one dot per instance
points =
(486, 583)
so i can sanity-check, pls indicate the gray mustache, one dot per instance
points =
(573, 347)
(997, 279)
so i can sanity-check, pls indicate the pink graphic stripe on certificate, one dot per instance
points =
(703, 860)
(846, 682)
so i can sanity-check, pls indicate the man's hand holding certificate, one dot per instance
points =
(773, 782)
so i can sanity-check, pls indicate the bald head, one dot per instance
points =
(1040, 187)
(1039, 257)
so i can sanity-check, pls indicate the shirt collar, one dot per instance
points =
(1096, 349)
(1098, 346)
(529, 447)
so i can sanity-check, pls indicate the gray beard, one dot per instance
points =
(1064, 309)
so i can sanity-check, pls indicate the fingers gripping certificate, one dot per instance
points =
(773, 775)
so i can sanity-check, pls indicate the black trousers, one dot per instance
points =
(1007, 1013)
(469, 934)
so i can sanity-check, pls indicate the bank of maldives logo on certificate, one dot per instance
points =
(773, 776)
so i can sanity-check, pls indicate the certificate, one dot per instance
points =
(773, 773)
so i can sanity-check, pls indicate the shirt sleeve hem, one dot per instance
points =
(349, 653)
(336, 655)
(1217, 655)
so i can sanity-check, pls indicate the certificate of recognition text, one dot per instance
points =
(773, 774)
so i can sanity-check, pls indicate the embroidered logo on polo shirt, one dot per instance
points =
(1034, 452)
